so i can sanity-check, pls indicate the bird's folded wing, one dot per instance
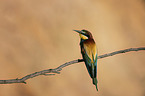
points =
(90, 61)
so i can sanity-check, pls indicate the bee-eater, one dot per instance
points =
(89, 53)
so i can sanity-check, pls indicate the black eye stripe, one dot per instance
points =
(84, 30)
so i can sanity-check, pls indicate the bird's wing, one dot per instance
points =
(90, 58)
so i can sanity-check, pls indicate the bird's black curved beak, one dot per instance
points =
(81, 32)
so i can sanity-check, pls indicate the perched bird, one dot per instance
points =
(89, 54)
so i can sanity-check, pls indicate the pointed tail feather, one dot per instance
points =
(95, 83)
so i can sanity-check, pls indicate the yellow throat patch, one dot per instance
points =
(83, 37)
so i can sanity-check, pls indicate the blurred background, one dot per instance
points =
(37, 35)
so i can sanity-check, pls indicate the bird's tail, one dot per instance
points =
(95, 81)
